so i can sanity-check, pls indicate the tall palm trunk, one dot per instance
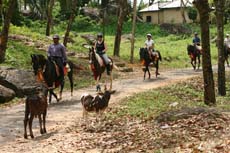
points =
(209, 92)
(133, 29)
(49, 17)
(122, 13)
(5, 29)
(219, 5)
(71, 19)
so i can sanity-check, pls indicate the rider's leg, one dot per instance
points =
(107, 63)
(61, 68)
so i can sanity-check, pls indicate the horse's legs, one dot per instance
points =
(70, 76)
(44, 121)
(50, 96)
(62, 86)
(198, 62)
(30, 125)
(40, 123)
(52, 93)
(98, 88)
(111, 80)
(157, 68)
(147, 68)
(192, 64)
(25, 123)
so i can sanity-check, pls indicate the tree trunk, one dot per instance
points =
(219, 5)
(5, 29)
(133, 29)
(122, 13)
(209, 92)
(49, 17)
(71, 19)
(25, 3)
(183, 11)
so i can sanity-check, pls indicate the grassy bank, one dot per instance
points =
(184, 94)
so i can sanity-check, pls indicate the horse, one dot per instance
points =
(46, 70)
(227, 53)
(194, 54)
(146, 60)
(98, 67)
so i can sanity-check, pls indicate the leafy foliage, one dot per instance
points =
(192, 13)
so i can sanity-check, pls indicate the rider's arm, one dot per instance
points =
(64, 54)
(105, 47)
(49, 51)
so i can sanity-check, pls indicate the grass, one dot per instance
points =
(172, 47)
(186, 94)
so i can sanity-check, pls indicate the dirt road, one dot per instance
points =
(62, 115)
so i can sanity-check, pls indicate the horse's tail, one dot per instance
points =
(159, 54)
(115, 67)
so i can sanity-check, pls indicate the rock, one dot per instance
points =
(126, 69)
(6, 94)
(126, 36)
(70, 53)
(120, 64)
(93, 13)
(89, 38)
(22, 82)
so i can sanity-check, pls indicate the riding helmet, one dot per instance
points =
(56, 36)
(149, 35)
(100, 35)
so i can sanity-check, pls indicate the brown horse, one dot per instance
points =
(194, 55)
(98, 68)
(146, 60)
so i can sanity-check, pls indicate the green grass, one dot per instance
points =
(172, 47)
(186, 94)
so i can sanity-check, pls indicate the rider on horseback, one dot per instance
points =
(57, 53)
(149, 45)
(196, 41)
(227, 41)
(101, 49)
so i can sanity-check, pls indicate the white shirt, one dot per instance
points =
(149, 43)
(227, 42)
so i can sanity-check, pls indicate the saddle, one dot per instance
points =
(155, 56)
(100, 60)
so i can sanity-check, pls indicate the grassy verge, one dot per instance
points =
(185, 94)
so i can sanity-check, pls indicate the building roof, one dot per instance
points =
(166, 5)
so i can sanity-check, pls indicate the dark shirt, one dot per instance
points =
(100, 47)
(57, 50)
(196, 40)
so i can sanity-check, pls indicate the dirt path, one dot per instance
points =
(62, 115)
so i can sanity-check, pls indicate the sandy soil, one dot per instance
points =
(65, 113)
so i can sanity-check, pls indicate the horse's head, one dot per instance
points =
(38, 62)
(92, 55)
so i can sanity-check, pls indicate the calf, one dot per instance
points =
(36, 105)
(96, 104)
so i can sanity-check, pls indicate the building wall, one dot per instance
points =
(166, 16)
(154, 16)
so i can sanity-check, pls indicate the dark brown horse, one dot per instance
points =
(146, 61)
(194, 54)
(98, 68)
(46, 70)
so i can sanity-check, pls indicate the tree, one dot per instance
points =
(122, 13)
(219, 5)
(209, 92)
(49, 17)
(133, 29)
(6, 25)
(182, 9)
(192, 14)
(71, 19)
